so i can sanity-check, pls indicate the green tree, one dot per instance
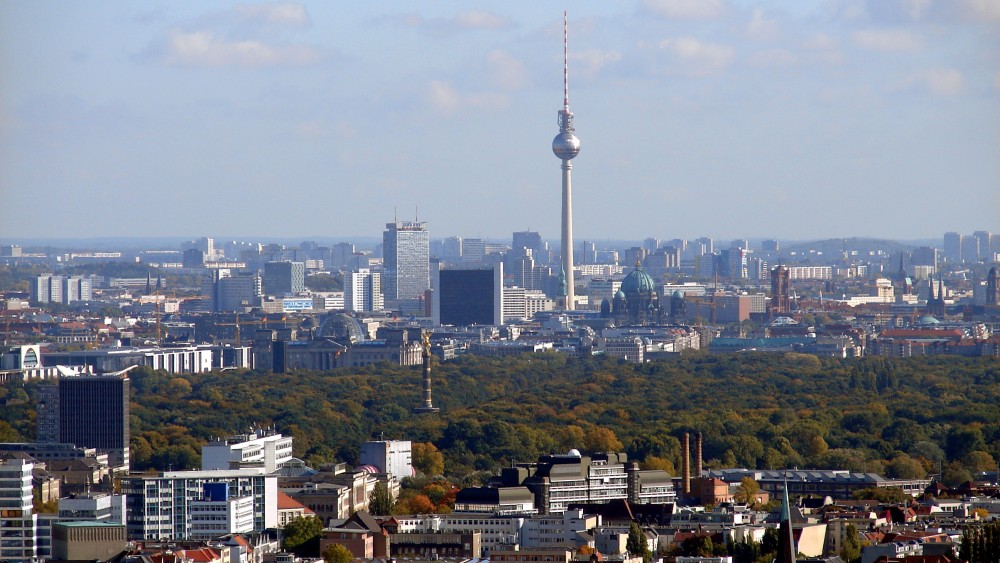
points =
(850, 550)
(301, 535)
(636, 543)
(955, 474)
(323, 282)
(380, 501)
(881, 494)
(336, 553)
(904, 467)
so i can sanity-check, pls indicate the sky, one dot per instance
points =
(794, 120)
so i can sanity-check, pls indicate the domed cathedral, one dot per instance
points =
(637, 302)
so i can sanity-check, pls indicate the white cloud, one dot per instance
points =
(443, 98)
(702, 57)
(821, 42)
(284, 13)
(944, 81)
(759, 28)
(505, 71)
(480, 20)
(917, 8)
(475, 19)
(592, 60)
(773, 58)
(886, 40)
(686, 9)
(982, 9)
(205, 48)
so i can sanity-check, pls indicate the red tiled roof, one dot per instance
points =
(286, 502)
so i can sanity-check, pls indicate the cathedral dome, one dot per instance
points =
(638, 283)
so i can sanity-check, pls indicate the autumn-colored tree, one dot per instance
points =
(420, 504)
(904, 467)
(336, 553)
(427, 459)
(600, 439)
(653, 462)
(746, 491)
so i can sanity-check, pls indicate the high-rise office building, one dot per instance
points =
(363, 291)
(281, 278)
(530, 240)
(406, 260)
(470, 296)
(88, 411)
(473, 250)
(953, 247)
(238, 292)
(986, 249)
(970, 249)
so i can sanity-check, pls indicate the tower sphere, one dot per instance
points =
(566, 145)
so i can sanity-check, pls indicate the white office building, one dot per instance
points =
(260, 448)
(389, 456)
(363, 291)
(163, 506)
(218, 514)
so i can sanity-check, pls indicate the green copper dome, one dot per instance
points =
(638, 283)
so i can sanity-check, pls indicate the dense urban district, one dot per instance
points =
(467, 399)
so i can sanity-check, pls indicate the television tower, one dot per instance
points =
(566, 146)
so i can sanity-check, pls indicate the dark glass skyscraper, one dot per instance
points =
(406, 260)
(90, 412)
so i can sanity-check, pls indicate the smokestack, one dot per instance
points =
(697, 459)
(686, 463)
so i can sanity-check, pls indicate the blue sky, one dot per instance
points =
(794, 120)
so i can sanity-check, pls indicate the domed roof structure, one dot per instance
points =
(927, 320)
(341, 327)
(638, 282)
(678, 294)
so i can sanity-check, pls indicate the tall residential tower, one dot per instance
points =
(566, 146)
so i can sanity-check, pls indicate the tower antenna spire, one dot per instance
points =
(565, 60)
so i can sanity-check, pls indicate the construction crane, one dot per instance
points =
(262, 322)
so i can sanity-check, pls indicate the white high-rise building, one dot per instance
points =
(363, 291)
(262, 448)
(389, 456)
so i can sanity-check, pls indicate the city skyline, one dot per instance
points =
(734, 119)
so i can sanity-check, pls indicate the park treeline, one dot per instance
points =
(900, 417)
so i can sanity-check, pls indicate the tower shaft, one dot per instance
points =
(567, 233)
